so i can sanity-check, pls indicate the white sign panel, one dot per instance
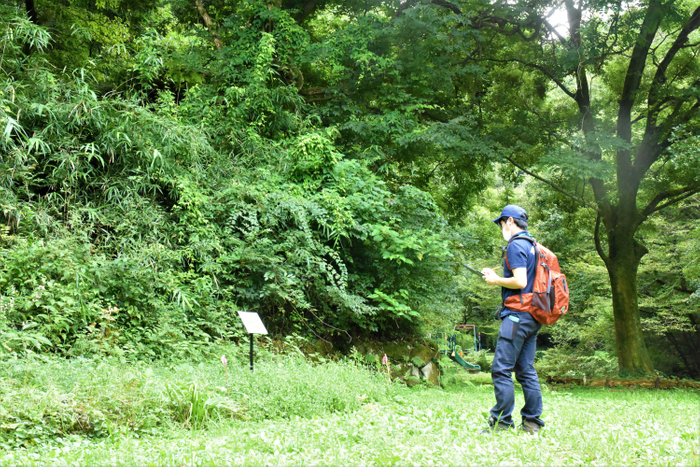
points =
(252, 322)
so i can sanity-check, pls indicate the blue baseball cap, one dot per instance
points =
(512, 210)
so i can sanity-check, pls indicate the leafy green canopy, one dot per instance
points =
(399, 87)
(138, 220)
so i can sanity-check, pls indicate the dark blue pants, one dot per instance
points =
(515, 350)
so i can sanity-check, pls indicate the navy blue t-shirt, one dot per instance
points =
(521, 254)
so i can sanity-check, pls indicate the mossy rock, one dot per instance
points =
(278, 345)
(430, 373)
(324, 348)
(414, 378)
(419, 362)
(400, 370)
(375, 348)
(318, 348)
(424, 353)
(397, 350)
(412, 381)
(407, 360)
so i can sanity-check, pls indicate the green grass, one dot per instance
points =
(329, 414)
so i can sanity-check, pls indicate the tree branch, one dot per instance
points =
(596, 238)
(656, 100)
(551, 29)
(499, 24)
(641, 117)
(612, 29)
(450, 6)
(635, 70)
(666, 143)
(209, 23)
(660, 76)
(677, 195)
(549, 74)
(436, 167)
(404, 6)
(628, 178)
(600, 193)
(556, 187)
(441, 3)
(31, 11)
(573, 15)
(681, 70)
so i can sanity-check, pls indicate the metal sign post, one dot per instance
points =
(252, 324)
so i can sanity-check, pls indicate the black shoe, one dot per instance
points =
(495, 426)
(530, 428)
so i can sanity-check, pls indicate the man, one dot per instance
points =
(515, 349)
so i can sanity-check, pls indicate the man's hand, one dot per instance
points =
(518, 281)
(490, 276)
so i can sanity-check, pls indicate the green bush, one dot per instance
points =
(44, 283)
(483, 359)
(565, 361)
(138, 226)
(57, 294)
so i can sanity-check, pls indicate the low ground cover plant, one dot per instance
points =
(46, 400)
(291, 411)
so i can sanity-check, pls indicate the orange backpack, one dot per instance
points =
(549, 299)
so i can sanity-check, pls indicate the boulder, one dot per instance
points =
(410, 361)
(414, 378)
(415, 371)
(324, 348)
(399, 370)
(430, 373)
(396, 351)
(318, 348)
(372, 347)
(421, 354)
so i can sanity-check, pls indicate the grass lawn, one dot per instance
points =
(366, 421)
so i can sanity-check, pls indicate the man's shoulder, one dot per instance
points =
(523, 235)
(521, 242)
(523, 248)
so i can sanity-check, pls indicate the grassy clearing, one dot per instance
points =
(342, 414)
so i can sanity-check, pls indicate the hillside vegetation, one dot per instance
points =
(330, 166)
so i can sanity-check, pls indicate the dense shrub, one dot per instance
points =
(132, 229)
(565, 361)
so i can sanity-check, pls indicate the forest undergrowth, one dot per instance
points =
(291, 411)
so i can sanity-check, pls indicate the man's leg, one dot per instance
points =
(526, 374)
(507, 351)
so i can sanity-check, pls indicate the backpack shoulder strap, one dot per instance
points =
(529, 239)
(522, 237)
(537, 256)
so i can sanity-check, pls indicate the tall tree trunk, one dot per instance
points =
(209, 23)
(31, 11)
(34, 18)
(623, 264)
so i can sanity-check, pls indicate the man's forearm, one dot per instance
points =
(518, 281)
(509, 282)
